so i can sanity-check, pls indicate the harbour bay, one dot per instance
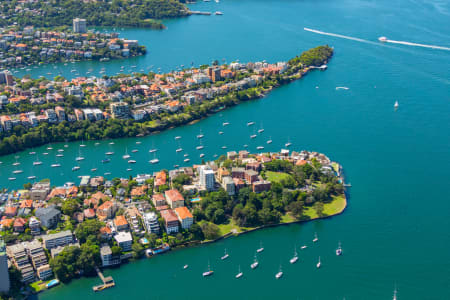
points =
(394, 231)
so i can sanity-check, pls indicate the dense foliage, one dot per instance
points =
(138, 13)
(313, 57)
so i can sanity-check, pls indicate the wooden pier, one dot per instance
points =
(107, 281)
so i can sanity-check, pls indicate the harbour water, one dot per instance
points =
(395, 229)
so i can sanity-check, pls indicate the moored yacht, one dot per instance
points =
(17, 171)
(319, 264)
(179, 150)
(294, 259)
(250, 123)
(31, 177)
(259, 148)
(279, 274)
(76, 168)
(154, 161)
(226, 255)
(126, 155)
(178, 137)
(239, 274)
(396, 104)
(255, 263)
(261, 248)
(134, 150)
(339, 250)
(186, 160)
(209, 272)
(153, 150)
(131, 161)
(56, 165)
(225, 123)
(109, 153)
(316, 239)
(253, 136)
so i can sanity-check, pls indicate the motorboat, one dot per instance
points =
(239, 274)
(261, 248)
(250, 123)
(56, 165)
(339, 250)
(76, 168)
(131, 161)
(316, 239)
(279, 274)
(109, 153)
(383, 39)
(154, 161)
(106, 160)
(202, 155)
(294, 259)
(253, 136)
(134, 150)
(259, 147)
(31, 177)
(319, 264)
(178, 137)
(179, 150)
(185, 267)
(225, 123)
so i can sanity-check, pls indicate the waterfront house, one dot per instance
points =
(124, 240)
(170, 220)
(57, 239)
(151, 222)
(120, 222)
(49, 216)
(184, 216)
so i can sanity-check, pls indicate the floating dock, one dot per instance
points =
(108, 282)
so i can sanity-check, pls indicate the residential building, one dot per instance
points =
(44, 272)
(39, 191)
(106, 210)
(228, 185)
(151, 222)
(57, 239)
(170, 220)
(35, 225)
(36, 253)
(19, 257)
(158, 200)
(237, 173)
(107, 258)
(120, 110)
(261, 186)
(79, 25)
(185, 217)
(120, 222)
(49, 216)
(174, 198)
(251, 176)
(124, 240)
(4, 275)
(207, 177)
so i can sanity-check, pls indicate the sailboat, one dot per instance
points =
(226, 255)
(255, 263)
(134, 150)
(261, 248)
(239, 274)
(279, 274)
(76, 168)
(288, 143)
(396, 104)
(339, 250)
(37, 162)
(185, 267)
(126, 155)
(319, 264)
(79, 157)
(395, 294)
(316, 239)
(16, 163)
(269, 141)
(82, 144)
(295, 258)
(209, 272)
(200, 135)
(154, 160)
(225, 123)
(199, 147)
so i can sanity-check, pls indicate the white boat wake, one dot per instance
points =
(339, 36)
(417, 45)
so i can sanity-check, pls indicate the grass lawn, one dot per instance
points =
(287, 218)
(334, 207)
(277, 176)
(38, 286)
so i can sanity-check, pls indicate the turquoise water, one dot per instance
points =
(395, 229)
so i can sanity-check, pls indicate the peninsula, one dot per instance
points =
(34, 112)
(63, 232)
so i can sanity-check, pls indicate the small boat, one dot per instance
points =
(179, 150)
(131, 161)
(32, 153)
(31, 177)
(76, 168)
(109, 153)
(52, 283)
(106, 160)
(186, 160)
(134, 150)
(245, 146)
(395, 294)
(209, 272)
(200, 136)
(269, 141)
(37, 163)
(94, 170)
(111, 143)
(259, 148)
(253, 136)
(129, 169)
(17, 171)
(60, 150)
(12, 178)
(250, 123)
(96, 144)
(319, 264)
(288, 144)
(49, 148)
(199, 147)
(339, 250)
(382, 39)
(202, 155)
(185, 267)
(260, 130)
(138, 143)
(226, 255)
(56, 165)
(261, 248)
(224, 147)
(396, 104)
(341, 88)
(79, 158)
(303, 247)
(218, 13)
(176, 166)
(316, 239)
(294, 259)
(186, 155)
(45, 153)
(225, 123)
(220, 132)
(239, 274)
(154, 161)
(67, 146)
(107, 173)
(178, 137)
(153, 150)
(279, 274)
(59, 155)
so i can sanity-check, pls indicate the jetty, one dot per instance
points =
(107, 281)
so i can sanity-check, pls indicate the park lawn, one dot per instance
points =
(277, 176)
(287, 218)
(334, 207)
